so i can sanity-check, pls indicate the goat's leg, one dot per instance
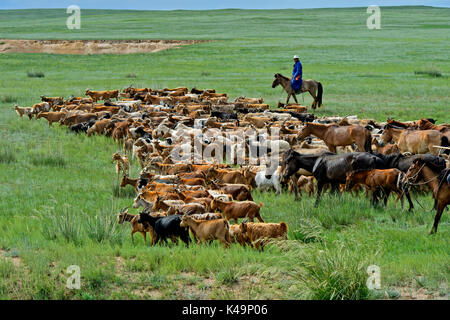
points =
(225, 243)
(185, 239)
(132, 236)
(260, 219)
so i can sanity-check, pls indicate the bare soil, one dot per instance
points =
(90, 46)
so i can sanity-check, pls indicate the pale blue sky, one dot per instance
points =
(211, 4)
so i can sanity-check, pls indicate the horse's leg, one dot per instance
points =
(288, 97)
(386, 196)
(295, 98)
(375, 194)
(360, 145)
(295, 187)
(314, 104)
(408, 196)
(331, 148)
(335, 189)
(319, 191)
(440, 208)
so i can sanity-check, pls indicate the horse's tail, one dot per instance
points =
(445, 143)
(319, 94)
(368, 142)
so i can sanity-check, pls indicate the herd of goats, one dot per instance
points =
(201, 156)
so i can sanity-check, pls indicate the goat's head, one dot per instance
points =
(122, 215)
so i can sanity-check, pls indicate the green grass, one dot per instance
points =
(60, 192)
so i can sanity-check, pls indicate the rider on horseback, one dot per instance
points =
(296, 80)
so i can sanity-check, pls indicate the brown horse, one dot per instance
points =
(425, 124)
(437, 180)
(308, 85)
(334, 135)
(388, 180)
(414, 141)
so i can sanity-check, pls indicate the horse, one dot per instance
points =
(334, 135)
(294, 164)
(329, 168)
(387, 180)
(415, 141)
(425, 124)
(403, 162)
(437, 180)
(308, 85)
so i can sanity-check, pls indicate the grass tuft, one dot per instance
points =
(119, 192)
(7, 155)
(310, 230)
(50, 160)
(35, 74)
(7, 98)
(337, 273)
(431, 73)
(63, 223)
(103, 227)
(228, 276)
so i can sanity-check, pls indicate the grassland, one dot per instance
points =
(58, 190)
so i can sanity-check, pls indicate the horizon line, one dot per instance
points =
(218, 9)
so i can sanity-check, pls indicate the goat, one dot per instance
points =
(205, 230)
(236, 210)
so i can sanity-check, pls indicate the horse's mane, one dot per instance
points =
(388, 158)
(437, 164)
(280, 75)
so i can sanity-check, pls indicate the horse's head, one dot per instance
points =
(349, 180)
(277, 80)
(304, 132)
(414, 171)
(386, 136)
(288, 167)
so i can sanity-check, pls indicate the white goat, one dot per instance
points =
(262, 181)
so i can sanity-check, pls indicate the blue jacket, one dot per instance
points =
(296, 81)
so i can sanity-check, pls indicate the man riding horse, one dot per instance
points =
(296, 80)
(296, 85)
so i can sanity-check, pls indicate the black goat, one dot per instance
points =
(166, 227)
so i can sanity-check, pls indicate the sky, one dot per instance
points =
(211, 4)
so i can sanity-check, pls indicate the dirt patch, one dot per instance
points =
(409, 293)
(90, 46)
(14, 259)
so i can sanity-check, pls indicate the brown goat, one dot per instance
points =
(236, 210)
(257, 234)
(208, 230)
